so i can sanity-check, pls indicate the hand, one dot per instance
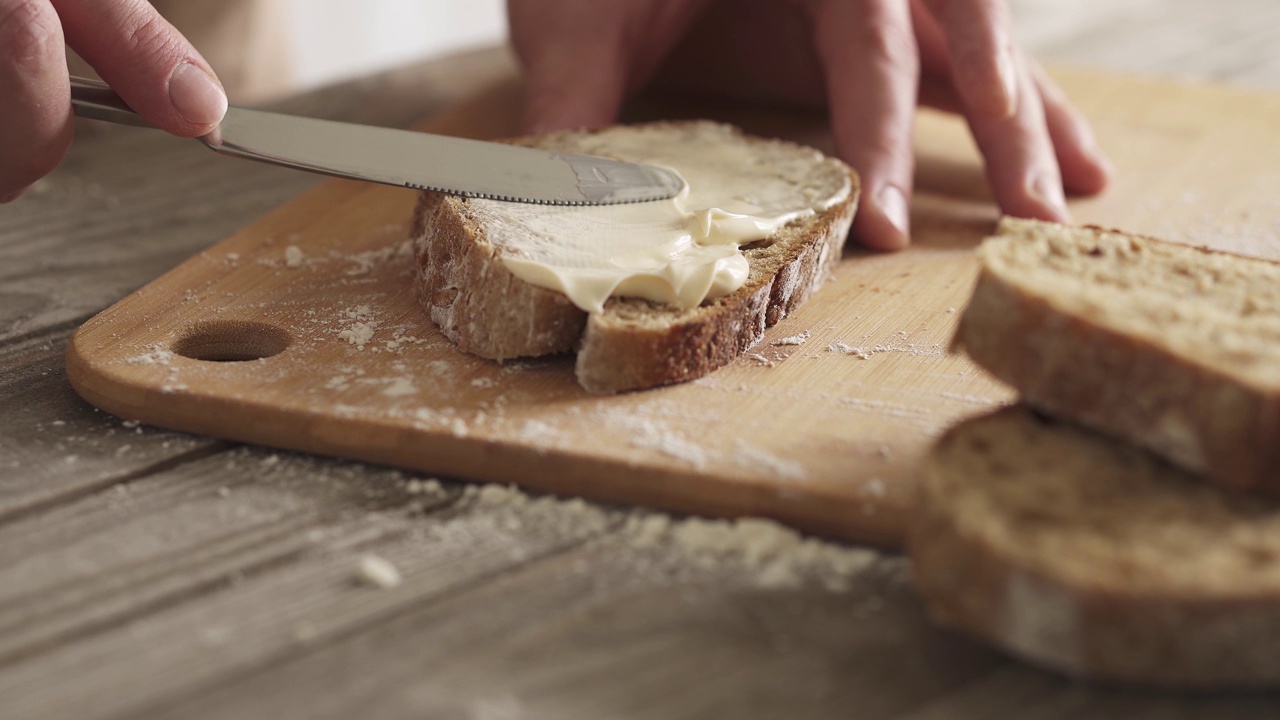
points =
(135, 50)
(868, 61)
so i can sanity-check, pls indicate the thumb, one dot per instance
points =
(147, 61)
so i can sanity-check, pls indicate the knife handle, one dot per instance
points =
(95, 100)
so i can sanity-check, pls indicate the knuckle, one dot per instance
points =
(892, 148)
(149, 40)
(144, 34)
(30, 33)
(884, 36)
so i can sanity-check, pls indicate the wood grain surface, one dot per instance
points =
(148, 574)
(819, 427)
(820, 434)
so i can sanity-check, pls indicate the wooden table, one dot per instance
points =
(145, 573)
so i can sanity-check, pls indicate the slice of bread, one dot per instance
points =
(633, 344)
(1171, 347)
(1088, 556)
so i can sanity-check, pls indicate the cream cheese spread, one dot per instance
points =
(680, 251)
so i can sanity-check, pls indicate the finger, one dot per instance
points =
(872, 67)
(35, 122)
(937, 89)
(1021, 164)
(979, 39)
(1085, 168)
(147, 61)
(574, 66)
(939, 94)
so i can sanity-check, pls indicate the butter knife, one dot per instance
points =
(470, 168)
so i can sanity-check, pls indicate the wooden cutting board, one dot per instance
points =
(301, 331)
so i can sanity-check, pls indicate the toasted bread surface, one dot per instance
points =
(1171, 347)
(1088, 556)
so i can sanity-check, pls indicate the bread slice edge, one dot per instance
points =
(485, 310)
(1095, 631)
(1201, 418)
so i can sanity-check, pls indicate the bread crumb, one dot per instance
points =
(377, 572)
(799, 339)
(760, 360)
(499, 495)
(293, 256)
(430, 486)
(771, 555)
(846, 349)
(400, 387)
(648, 530)
(874, 487)
(535, 431)
(750, 456)
(896, 345)
(155, 355)
(656, 436)
(363, 263)
(358, 334)
(360, 329)
(224, 491)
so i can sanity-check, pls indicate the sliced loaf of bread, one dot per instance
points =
(1086, 555)
(633, 343)
(1171, 347)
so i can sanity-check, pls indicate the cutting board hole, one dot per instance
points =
(232, 341)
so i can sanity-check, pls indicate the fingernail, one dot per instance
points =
(893, 203)
(198, 98)
(1008, 76)
(1047, 189)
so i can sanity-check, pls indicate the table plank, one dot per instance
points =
(609, 630)
(217, 584)
(55, 448)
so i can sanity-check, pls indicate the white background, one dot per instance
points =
(337, 39)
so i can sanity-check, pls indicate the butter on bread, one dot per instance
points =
(632, 343)
(1091, 557)
(1170, 347)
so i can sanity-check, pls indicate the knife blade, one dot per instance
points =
(470, 168)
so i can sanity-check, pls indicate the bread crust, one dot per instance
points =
(634, 344)
(1202, 418)
(1098, 628)
(617, 354)
(477, 303)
